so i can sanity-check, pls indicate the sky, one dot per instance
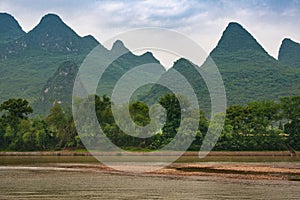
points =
(269, 21)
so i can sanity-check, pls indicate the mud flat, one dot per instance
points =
(234, 165)
(83, 177)
(242, 171)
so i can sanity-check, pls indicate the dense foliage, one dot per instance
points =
(265, 125)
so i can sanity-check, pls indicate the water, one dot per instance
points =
(43, 181)
(44, 184)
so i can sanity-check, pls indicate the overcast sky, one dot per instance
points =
(204, 21)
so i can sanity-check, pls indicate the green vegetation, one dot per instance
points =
(58, 88)
(18, 132)
(259, 126)
(12, 30)
(28, 60)
(249, 73)
(41, 65)
(289, 53)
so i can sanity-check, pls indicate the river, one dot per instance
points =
(41, 181)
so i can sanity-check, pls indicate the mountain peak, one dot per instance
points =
(288, 41)
(10, 28)
(182, 64)
(289, 53)
(50, 17)
(53, 34)
(6, 16)
(51, 21)
(236, 38)
(119, 47)
(149, 57)
(234, 25)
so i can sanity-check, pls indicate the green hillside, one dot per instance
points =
(190, 73)
(9, 29)
(47, 59)
(289, 53)
(59, 87)
(122, 65)
(30, 60)
(249, 73)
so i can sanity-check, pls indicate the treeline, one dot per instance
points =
(20, 133)
(265, 125)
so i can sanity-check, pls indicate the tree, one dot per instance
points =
(291, 113)
(173, 110)
(103, 110)
(14, 110)
(139, 112)
(57, 123)
(202, 130)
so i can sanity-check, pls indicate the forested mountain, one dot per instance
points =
(289, 53)
(248, 71)
(50, 35)
(30, 59)
(47, 59)
(9, 29)
(121, 65)
(41, 65)
(59, 87)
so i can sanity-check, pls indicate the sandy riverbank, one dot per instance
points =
(277, 165)
(247, 171)
(253, 171)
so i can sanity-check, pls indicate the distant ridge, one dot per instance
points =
(118, 47)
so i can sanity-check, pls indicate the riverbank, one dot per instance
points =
(246, 171)
(233, 165)
(238, 171)
(287, 171)
(188, 153)
(249, 171)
